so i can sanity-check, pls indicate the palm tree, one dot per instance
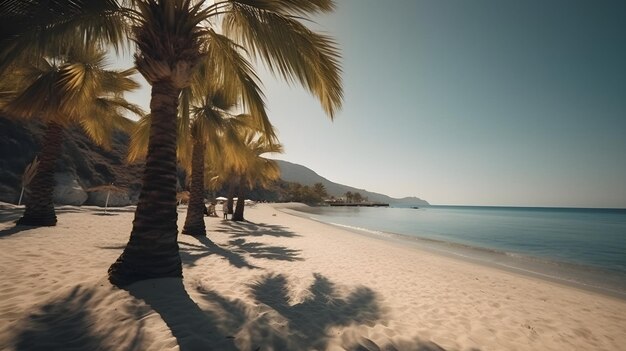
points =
(213, 129)
(320, 190)
(349, 196)
(63, 90)
(358, 198)
(258, 170)
(209, 101)
(172, 37)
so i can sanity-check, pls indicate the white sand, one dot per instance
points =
(282, 283)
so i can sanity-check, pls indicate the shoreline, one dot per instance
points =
(280, 282)
(567, 274)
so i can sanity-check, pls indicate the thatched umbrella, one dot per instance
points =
(109, 189)
(183, 197)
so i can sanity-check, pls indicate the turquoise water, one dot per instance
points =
(590, 241)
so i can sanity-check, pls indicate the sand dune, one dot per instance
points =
(278, 282)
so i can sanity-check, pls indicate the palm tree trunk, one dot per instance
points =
(152, 251)
(39, 203)
(230, 196)
(194, 222)
(241, 194)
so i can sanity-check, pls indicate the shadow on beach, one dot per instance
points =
(250, 229)
(191, 253)
(306, 325)
(11, 213)
(84, 319)
(14, 230)
(67, 323)
(236, 250)
(193, 328)
(271, 323)
(260, 250)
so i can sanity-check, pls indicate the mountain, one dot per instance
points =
(296, 173)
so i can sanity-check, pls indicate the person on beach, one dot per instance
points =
(225, 209)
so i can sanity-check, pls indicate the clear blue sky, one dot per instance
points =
(482, 102)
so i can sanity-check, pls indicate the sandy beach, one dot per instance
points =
(278, 282)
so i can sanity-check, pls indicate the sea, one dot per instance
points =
(582, 247)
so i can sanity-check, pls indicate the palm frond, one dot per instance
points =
(106, 116)
(168, 39)
(29, 172)
(302, 7)
(238, 76)
(290, 50)
(138, 145)
(32, 28)
(184, 141)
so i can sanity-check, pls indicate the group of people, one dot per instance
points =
(212, 212)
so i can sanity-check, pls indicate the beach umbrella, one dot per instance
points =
(109, 189)
(183, 197)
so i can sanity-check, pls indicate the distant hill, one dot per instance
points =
(292, 172)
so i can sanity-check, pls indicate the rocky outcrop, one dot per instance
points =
(68, 191)
(89, 164)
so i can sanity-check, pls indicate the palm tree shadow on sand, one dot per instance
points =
(269, 322)
(250, 229)
(67, 323)
(193, 328)
(260, 250)
(236, 251)
(306, 325)
(191, 253)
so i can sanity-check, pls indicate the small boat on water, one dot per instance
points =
(414, 207)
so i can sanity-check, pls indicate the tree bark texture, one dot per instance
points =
(152, 251)
(241, 201)
(39, 203)
(194, 222)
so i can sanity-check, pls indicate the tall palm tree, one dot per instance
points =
(172, 37)
(258, 170)
(209, 104)
(60, 91)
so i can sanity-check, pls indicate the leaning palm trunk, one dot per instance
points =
(39, 203)
(152, 251)
(194, 223)
(241, 195)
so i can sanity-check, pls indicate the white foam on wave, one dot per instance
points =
(349, 227)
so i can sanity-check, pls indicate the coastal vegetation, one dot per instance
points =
(316, 194)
